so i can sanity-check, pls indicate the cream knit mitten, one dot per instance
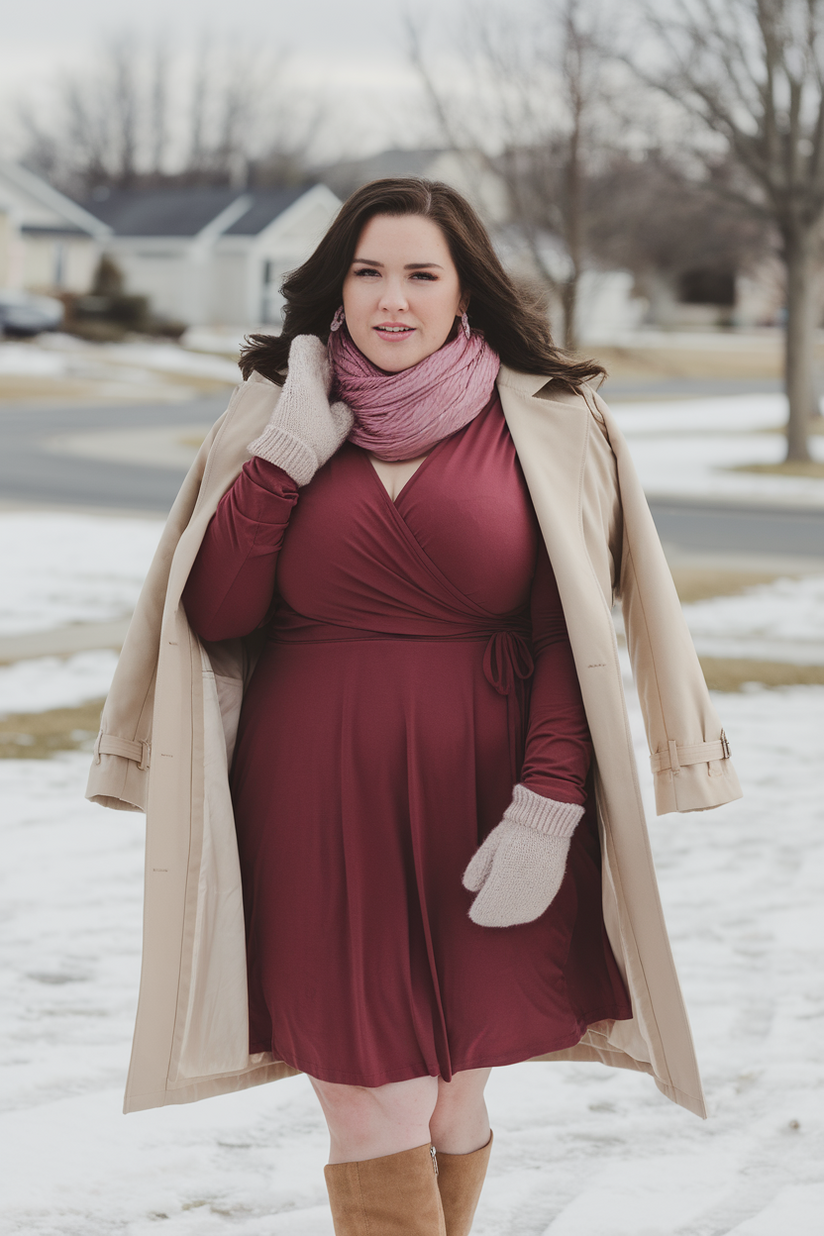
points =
(519, 868)
(303, 430)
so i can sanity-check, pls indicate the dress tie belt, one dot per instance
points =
(508, 665)
(507, 660)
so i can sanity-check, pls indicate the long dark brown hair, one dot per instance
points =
(513, 322)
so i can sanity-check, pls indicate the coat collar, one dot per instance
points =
(536, 386)
(525, 384)
(550, 429)
(549, 424)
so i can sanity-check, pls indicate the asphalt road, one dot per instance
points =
(30, 474)
(732, 529)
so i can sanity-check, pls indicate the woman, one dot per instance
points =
(415, 713)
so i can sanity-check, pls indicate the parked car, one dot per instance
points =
(23, 314)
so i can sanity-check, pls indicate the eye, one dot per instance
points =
(425, 275)
(364, 270)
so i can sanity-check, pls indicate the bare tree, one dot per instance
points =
(539, 117)
(160, 69)
(144, 116)
(750, 73)
(652, 215)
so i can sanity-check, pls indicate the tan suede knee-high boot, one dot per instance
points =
(396, 1195)
(460, 1180)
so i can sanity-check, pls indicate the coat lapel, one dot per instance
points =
(549, 429)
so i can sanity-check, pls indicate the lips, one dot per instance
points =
(394, 330)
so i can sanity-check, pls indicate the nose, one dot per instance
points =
(393, 297)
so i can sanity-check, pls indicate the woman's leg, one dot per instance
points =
(370, 1122)
(460, 1133)
(380, 1173)
(460, 1124)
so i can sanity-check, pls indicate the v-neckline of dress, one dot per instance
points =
(393, 502)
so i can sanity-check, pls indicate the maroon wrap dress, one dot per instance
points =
(416, 666)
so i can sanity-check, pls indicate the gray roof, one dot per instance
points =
(185, 212)
(267, 205)
(71, 218)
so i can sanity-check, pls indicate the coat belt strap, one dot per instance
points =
(696, 753)
(108, 744)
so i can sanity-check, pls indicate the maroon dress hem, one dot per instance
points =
(388, 1077)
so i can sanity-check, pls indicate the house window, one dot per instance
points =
(59, 263)
(707, 286)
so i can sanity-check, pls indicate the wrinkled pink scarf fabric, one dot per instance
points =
(403, 415)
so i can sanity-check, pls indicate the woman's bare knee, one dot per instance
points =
(459, 1123)
(367, 1122)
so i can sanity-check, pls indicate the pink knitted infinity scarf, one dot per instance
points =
(403, 415)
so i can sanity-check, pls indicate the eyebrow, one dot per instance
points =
(408, 266)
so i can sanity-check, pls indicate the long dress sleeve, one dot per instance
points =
(230, 587)
(558, 746)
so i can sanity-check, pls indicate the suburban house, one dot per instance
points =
(47, 242)
(213, 256)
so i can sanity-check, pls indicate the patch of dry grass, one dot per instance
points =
(37, 735)
(22, 388)
(765, 362)
(731, 674)
(701, 583)
(806, 467)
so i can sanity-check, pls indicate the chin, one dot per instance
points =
(389, 361)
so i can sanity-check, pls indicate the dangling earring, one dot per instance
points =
(338, 319)
(467, 329)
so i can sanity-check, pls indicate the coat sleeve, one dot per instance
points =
(690, 755)
(558, 746)
(120, 771)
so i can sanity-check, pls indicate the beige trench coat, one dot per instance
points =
(169, 723)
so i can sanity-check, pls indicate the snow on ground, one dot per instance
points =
(56, 355)
(725, 414)
(580, 1150)
(686, 448)
(59, 569)
(55, 682)
(781, 621)
(21, 358)
(147, 372)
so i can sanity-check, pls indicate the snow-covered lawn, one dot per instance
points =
(59, 569)
(687, 447)
(781, 621)
(62, 366)
(580, 1150)
(55, 682)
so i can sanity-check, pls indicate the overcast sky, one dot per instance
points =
(356, 47)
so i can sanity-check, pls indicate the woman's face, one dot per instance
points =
(402, 292)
